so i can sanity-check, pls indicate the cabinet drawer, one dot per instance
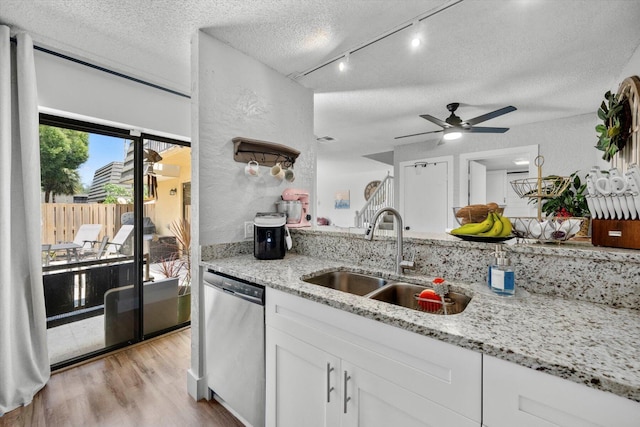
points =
(519, 396)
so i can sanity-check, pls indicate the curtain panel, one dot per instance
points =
(24, 360)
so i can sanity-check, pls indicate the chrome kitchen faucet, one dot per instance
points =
(401, 263)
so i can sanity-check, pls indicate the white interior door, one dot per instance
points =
(497, 186)
(425, 202)
(517, 206)
(477, 183)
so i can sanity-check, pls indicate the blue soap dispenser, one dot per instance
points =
(498, 252)
(503, 280)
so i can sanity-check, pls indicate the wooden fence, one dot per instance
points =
(60, 221)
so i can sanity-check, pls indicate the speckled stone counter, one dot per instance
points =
(573, 271)
(592, 344)
(576, 314)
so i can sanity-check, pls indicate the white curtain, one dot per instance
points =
(24, 360)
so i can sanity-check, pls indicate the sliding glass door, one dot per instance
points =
(115, 237)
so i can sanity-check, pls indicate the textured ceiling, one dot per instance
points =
(549, 58)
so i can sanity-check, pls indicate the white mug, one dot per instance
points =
(289, 175)
(252, 168)
(277, 172)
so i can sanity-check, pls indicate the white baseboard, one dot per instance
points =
(197, 386)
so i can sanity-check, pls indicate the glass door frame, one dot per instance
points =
(137, 138)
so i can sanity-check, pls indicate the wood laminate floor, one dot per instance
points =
(145, 385)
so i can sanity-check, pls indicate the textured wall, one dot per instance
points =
(239, 96)
(73, 88)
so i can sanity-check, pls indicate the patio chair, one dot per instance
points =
(114, 247)
(96, 252)
(84, 240)
(87, 235)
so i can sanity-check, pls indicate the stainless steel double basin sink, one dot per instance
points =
(389, 291)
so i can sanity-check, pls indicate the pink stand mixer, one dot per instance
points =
(295, 203)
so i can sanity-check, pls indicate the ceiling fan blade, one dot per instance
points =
(491, 115)
(435, 120)
(481, 129)
(416, 134)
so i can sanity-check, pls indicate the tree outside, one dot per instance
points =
(118, 194)
(62, 151)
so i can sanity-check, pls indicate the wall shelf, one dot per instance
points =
(263, 152)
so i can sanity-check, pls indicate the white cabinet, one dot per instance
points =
(369, 400)
(302, 383)
(326, 367)
(519, 396)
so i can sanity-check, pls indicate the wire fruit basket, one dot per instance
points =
(553, 229)
(540, 187)
(550, 229)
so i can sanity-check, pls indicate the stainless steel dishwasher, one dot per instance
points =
(234, 328)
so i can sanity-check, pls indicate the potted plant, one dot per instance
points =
(181, 229)
(570, 203)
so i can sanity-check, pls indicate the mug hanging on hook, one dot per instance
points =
(277, 172)
(252, 168)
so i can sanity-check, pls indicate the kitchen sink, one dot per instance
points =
(404, 294)
(389, 291)
(346, 281)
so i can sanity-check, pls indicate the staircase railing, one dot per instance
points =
(382, 197)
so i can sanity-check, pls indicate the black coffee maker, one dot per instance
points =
(270, 235)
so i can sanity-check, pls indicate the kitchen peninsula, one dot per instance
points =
(575, 316)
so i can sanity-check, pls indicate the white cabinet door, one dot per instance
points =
(370, 401)
(519, 396)
(303, 388)
(442, 374)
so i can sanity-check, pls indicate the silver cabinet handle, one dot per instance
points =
(344, 391)
(329, 388)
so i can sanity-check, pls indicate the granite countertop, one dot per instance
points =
(587, 343)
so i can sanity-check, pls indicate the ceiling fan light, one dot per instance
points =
(451, 135)
(415, 42)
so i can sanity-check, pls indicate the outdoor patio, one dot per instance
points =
(77, 335)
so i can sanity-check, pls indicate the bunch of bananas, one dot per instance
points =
(495, 225)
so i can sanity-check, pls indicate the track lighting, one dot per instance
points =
(416, 40)
(344, 63)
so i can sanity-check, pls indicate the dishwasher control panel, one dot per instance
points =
(238, 287)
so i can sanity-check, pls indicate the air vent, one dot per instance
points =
(325, 139)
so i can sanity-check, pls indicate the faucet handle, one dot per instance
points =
(409, 264)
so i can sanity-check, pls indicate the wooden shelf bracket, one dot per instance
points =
(263, 152)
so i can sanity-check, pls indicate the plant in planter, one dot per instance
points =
(615, 130)
(181, 228)
(571, 202)
(170, 267)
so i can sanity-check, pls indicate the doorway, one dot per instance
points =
(485, 176)
(426, 194)
(113, 219)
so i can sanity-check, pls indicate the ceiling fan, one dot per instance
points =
(454, 126)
